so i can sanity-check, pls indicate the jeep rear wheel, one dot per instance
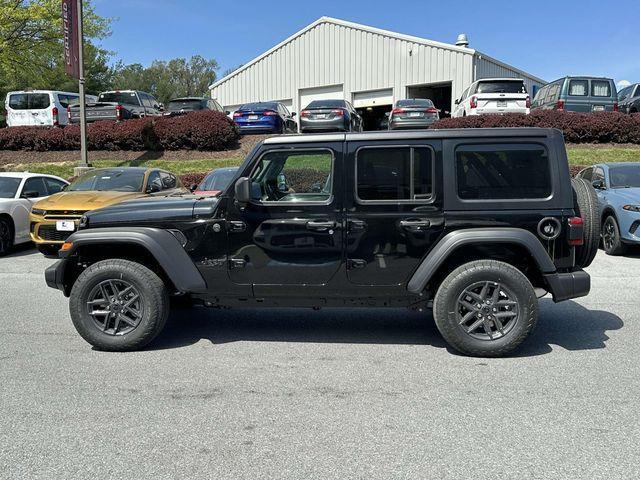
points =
(119, 305)
(485, 308)
(585, 204)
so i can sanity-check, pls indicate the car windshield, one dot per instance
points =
(259, 106)
(501, 86)
(327, 104)
(177, 105)
(625, 176)
(415, 102)
(218, 180)
(9, 187)
(109, 180)
(128, 98)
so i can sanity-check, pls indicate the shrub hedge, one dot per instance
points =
(205, 130)
(605, 127)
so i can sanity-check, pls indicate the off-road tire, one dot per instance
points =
(446, 303)
(585, 204)
(614, 246)
(153, 294)
(7, 236)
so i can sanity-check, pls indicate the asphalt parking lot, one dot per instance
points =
(329, 394)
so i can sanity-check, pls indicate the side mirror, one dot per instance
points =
(153, 188)
(227, 112)
(193, 187)
(293, 114)
(457, 101)
(598, 184)
(160, 107)
(242, 189)
(387, 114)
(64, 187)
(30, 194)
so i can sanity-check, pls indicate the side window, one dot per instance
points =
(624, 93)
(146, 100)
(394, 174)
(298, 176)
(554, 90)
(464, 94)
(507, 171)
(169, 181)
(155, 182)
(578, 88)
(598, 174)
(637, 92)
(217, 106)
(600, 88)
(587, 174)
(35, 185)
(18, 101)
(53, 185)
(540, 96)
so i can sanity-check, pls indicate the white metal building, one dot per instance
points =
(370, 67)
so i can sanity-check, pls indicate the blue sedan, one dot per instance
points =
(618, 188)
(265, 117)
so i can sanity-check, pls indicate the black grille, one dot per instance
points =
(49, 232)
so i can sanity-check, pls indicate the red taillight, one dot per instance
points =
(560, 105)
(397, 110)
(576, 231)
(237, 114)
(270, 113)
(339, 112)
(615, 106)
(431, 110)
(305, 113)
(54, 112)
(528, 102)
(473, 102)
(119, 112)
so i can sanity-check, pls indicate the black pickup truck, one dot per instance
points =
(117, 106)
(472, 224)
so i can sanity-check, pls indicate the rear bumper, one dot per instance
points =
(498, 111)
(420, 123)
(258, 127)
(328, 125)
(564, 286)
(54, 275)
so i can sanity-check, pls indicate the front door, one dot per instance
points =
(395, 215)
(290, 234)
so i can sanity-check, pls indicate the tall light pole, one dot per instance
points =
(84, 157)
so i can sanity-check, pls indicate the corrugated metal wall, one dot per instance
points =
(333, 54)
(487, 68)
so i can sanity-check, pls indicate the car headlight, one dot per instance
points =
(37, 211)
(632, 208)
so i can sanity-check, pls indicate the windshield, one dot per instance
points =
(218, 180)
(259, 106)
(502, 86)
(415, 102)
(109, 180)
(327, 104)
(625, 176)
(9, 187)
(177, 105)
(128, 98)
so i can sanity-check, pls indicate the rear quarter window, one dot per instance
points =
(578, 88)
(600, 88)
(503, 172)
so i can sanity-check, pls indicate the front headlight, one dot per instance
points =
(631, 208)
(37, 211)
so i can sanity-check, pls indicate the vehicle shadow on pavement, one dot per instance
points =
(21, 250)
(568, 325)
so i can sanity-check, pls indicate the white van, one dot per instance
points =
(40, 107)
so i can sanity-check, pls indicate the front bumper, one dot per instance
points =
(564, 286)
(44, 232)
(54, 275)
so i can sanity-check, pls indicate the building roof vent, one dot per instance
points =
(462, 40)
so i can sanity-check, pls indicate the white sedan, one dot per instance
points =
(18, 192)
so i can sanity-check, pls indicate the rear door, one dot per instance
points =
(290, 234)
(602, 95)
(394, 211)
(578, 99)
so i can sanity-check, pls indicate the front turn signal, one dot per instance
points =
(66, 246)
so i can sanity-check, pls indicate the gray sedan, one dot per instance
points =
(413, 113)
(330, 116)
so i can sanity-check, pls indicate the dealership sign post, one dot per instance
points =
(74, 65)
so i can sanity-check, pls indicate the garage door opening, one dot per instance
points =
(374, 118)
(439, 94)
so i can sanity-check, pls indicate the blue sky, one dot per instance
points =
(546, 38)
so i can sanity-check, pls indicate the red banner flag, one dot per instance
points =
(70, 35)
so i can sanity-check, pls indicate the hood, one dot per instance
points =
(628, 195)
(84, 200)
(154, 210)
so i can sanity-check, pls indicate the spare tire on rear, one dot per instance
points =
(585, 204)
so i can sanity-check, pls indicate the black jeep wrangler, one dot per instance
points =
(472, 223)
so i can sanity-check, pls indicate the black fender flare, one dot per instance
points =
(161, 244)
(454, 240)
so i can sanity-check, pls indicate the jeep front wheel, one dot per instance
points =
(485, 308)
(119, 305)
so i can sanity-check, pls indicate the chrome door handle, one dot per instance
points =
(415, 223)
(321, 225)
